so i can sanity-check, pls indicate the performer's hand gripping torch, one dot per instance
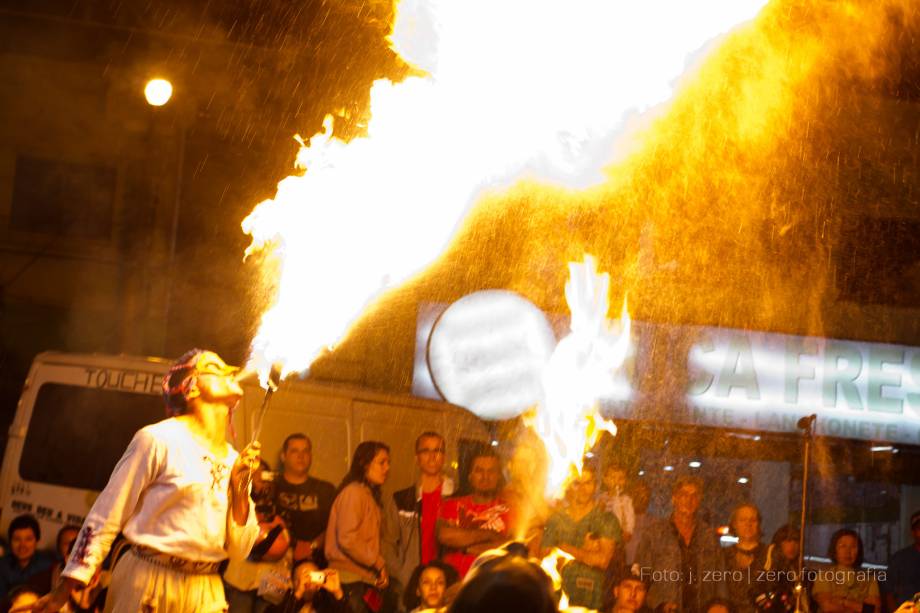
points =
(274, 380)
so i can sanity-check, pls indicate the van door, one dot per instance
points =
(73, 423)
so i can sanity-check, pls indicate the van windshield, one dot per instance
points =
(77, 434)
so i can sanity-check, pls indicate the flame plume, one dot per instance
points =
(510, 90)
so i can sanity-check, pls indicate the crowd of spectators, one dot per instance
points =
(351, 548)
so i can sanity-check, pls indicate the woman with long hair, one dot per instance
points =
(844, 588)
(777, 592)
(353, 531)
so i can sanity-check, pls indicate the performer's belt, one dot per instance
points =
(171, 562)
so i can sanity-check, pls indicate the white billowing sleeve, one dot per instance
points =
(116, 504)
(240, 539)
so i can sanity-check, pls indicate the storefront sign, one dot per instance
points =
(752, 380)
(763, 381)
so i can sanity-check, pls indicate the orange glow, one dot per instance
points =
(573, 102)
(514, 90)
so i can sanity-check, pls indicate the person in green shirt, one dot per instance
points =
(584, 530)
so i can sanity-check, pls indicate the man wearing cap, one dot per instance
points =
(179, 494)
(629, 592)
(903, 578)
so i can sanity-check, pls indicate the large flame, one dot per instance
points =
(511, 89)
(581, 370)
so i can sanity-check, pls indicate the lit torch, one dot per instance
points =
(269, 380)
(271, 385)
(551, 564)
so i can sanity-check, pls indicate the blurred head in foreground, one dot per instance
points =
(505, 580)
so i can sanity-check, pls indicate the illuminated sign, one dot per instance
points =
(487, 352)
(763, 381)
(744, 380)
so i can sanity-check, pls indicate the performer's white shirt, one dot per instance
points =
(170, 493)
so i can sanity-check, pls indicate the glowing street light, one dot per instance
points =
(158, 92)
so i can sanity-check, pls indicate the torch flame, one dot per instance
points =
(581, 370)
(511, 90)
(550, 565)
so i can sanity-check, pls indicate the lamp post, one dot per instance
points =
(158, 92)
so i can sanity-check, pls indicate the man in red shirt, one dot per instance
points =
(411, 515)
(470, 525)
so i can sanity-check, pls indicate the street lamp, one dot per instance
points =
(158, 92)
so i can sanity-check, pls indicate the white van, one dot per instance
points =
(78, 412)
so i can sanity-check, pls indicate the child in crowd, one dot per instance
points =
(614, 499)
(427, 588)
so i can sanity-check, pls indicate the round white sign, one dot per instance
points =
(487, 353)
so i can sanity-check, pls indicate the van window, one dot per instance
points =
(77, 434)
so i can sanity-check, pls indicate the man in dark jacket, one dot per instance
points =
(903, 580)
(410, 518)
(680, 555)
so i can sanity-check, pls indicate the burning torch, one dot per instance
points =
(271, 384)
(274, 380)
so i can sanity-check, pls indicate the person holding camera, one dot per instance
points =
(777, 593)
(311, 590)
(270, 556)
